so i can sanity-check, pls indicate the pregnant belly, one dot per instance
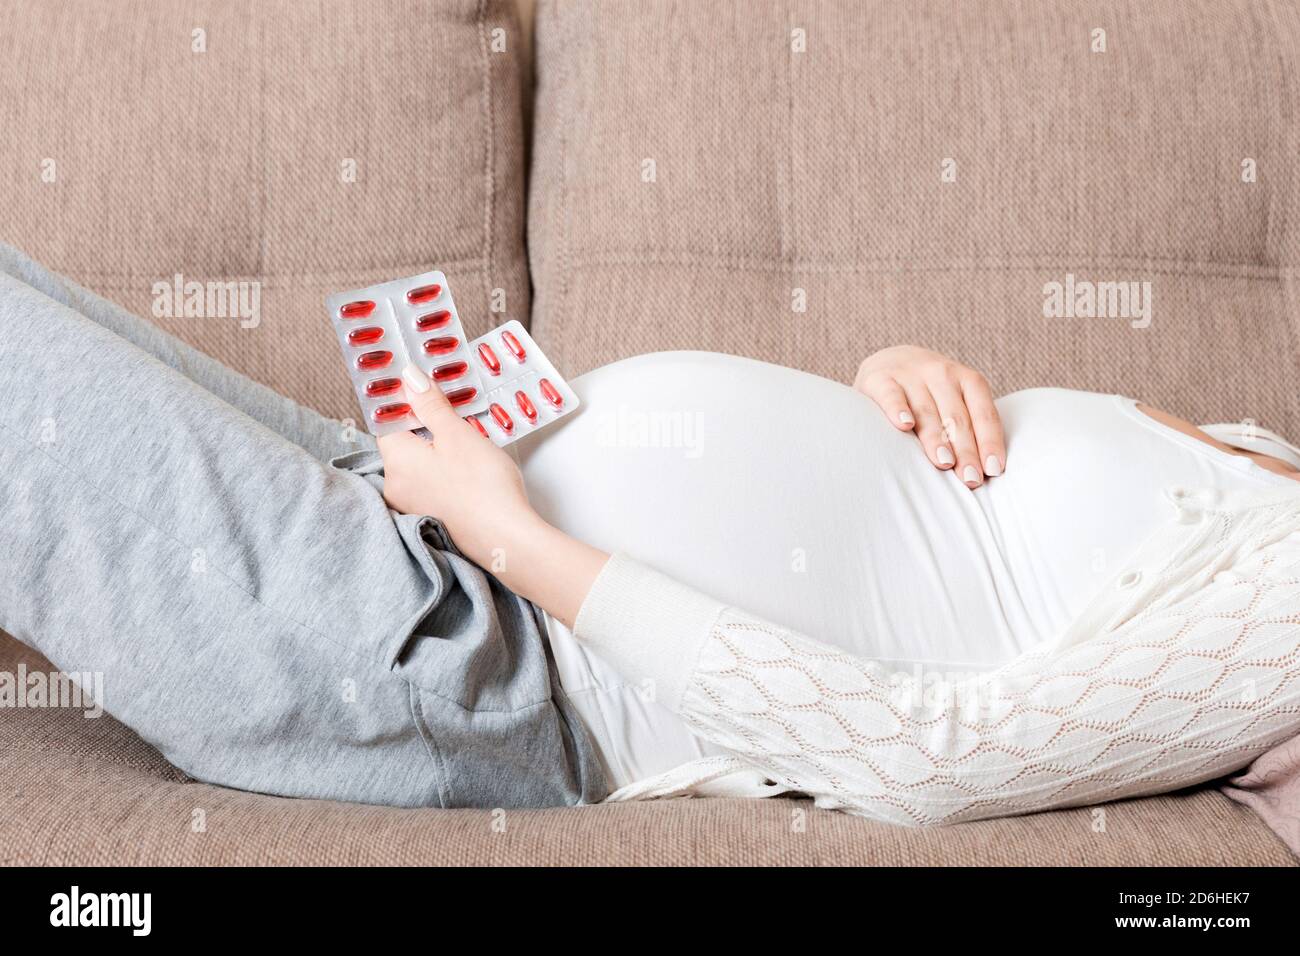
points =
(789, 495)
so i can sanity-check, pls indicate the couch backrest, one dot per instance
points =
(305, 146)
(805, 182)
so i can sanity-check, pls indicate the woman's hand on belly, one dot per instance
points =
(476, 491)
(948, 405)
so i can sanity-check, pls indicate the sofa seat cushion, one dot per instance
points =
(87, 791)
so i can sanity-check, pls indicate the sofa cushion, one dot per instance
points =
(217, 140)
(87, 791)
(807, 182)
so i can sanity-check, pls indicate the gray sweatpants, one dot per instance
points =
(257, 613)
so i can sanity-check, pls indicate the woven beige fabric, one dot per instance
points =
(229, 164)
(779, 174)
(81, 791)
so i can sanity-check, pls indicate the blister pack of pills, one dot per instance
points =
(522, 389)
(500, 382)
(383, 327)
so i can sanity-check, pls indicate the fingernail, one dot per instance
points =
(992, 467)
(415, 379)
(944, 454)
(906, 418)
(970, 475)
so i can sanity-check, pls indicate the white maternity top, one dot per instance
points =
(792, 497)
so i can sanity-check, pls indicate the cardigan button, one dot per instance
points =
(1128, 579)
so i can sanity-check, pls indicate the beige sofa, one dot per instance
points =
(801, 182)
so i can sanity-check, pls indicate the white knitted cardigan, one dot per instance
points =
(1183, 669)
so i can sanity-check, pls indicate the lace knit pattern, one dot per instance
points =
(1192, 687)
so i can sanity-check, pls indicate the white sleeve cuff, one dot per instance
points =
(648, 626)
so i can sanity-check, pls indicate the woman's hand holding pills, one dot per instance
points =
(462, 479)
(948, 405)
(475, 489)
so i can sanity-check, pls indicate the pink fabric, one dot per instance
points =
(1271, 787)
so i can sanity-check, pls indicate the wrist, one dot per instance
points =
(544, 565)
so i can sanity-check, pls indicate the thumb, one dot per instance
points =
(427, 401)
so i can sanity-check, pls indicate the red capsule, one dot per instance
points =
(369, 361)
(551, 393)
(502, 418)
(445, 373)
(434, 320)
(443, 345)
(367, 336)
(512, 345)
(459, 396)
(525, 405)
(357, 310)
(383, 386)
(489, 359)
(425, 293)
(391, 413)
(477, 424)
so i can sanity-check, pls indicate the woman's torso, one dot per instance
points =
(790, 496)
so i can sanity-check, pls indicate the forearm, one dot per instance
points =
(545, 566)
